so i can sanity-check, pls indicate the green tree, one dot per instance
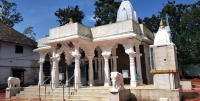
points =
(152, 23)
(105, 11)
(65, 14)
(29, 32)
(9, 14)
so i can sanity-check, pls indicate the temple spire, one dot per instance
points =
(126, 12)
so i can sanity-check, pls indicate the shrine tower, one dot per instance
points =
(163, 59)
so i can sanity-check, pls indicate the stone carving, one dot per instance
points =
(12, 81)
(117, 81)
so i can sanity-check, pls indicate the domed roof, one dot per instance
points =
(126, 12)
(162, 37)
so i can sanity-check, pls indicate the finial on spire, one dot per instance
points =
(70, 20)
(161, 23)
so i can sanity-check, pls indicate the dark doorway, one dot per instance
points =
(123, 62)
(19, 73)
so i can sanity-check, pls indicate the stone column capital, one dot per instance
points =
(106, 55)
(77, 56)
(114, 57)
(138, 54)
(90, 57)
(56, 58)
(130, 52)
(40, 62)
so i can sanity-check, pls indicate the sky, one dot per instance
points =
(40, 13)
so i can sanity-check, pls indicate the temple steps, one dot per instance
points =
(82, 94)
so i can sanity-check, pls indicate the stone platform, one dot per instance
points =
(99, 93)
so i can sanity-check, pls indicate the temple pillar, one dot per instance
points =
(68, 59)
(128, 44)
(76, 55)
(133, 81)
(114, 63)
(106, 70)
(114, 58)
(77, 76)
(99, 69)
(106, 52)
(41, 73)
(55, 72)
(91, 73)
(66, 74)
(41, 62)
(147, 57)
(138, 61)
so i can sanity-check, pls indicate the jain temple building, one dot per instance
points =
(91, 54)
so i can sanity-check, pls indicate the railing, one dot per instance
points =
(68, 82)
(63, 86)
(45, 86)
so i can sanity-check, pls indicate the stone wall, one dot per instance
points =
(155, 94)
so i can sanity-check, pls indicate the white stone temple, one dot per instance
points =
(90, 54)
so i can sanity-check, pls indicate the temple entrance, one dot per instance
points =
(123, 62)
(83, 71)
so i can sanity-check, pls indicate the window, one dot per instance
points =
(18, 49)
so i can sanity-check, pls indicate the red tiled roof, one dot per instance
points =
(9, 34)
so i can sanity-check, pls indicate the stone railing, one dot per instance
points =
(70, 30)
(146, 32)
(42, 41)
(116, 28)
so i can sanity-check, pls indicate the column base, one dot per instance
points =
(133, 83)
(140, 81)
(91, 83)
(77, 85)
(41, 78)
(54, 85)
(40, 83)
(106, 83)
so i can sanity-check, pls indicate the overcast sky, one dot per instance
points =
(40, 13)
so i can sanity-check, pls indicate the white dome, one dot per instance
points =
(162, 37)
(126, 12)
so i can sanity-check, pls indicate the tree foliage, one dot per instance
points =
(9, 14)
(29, 32)
(105, 11)
(184, 20)
(65, 14)
(152, 23)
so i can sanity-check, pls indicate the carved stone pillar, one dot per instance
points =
(55, 71)
(99, 69)
(138, 61)
(66, 74)
(41, 73)
(114, 63)
(106, 70)
(133, 81)
(91, 73)
(77, 76)
(131, 54)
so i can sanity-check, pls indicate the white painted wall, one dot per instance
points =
(8, 59)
